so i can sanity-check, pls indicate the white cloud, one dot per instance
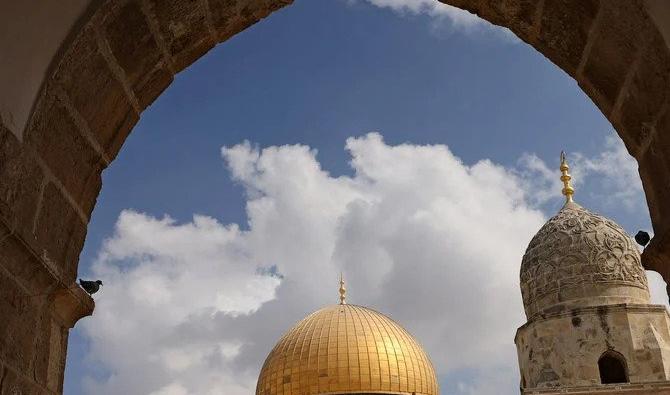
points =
(434, 8)
(618, 174)
(194, 308)
(444, 15)
(659, 294)
(611, 176)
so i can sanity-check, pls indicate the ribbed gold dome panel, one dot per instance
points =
(345, 349)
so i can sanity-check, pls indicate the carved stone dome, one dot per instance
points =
(347, 349)
(580, 259)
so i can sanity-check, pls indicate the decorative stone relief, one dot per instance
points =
(576, 247)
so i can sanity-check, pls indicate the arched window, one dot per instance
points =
(612, 366)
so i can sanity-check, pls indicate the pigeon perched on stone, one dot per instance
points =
(642, 238)
(90, 286)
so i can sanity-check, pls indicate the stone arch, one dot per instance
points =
(123, 53)
(612, 368)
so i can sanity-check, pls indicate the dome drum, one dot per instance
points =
(571, 297)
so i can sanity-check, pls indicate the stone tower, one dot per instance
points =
(591, 327)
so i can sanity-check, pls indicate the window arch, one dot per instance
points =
(612, 367)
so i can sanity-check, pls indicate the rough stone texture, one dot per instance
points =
(124, 54)
(21, 316)
(648, 91)
(20, 181)
(153, 85)
(61, 232)
(661, 388)
(34, 307)
(562, 350)
(14, 383)
(183, 27)
(25, 269)
(523, 12)
(96, 94)
(137, 57)
(67, 153)
(580, 259)
(615, 47)
(565, 29)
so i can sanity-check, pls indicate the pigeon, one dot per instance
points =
(90, 286)
(642, 238)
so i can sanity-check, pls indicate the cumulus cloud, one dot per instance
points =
(444, 15)
(194, 308)
(612, 177)
(434, 8)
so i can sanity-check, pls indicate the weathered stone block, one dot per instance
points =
(184, 29)
(564, 31)
(614, 48)
(60, 231)
(223, 12)
(648, 90)
(153, 85)
(18, 328)
(517, 15)
(68, 154)
(57, 355)
(190, 55)
(20, 182)
(132, 43)
(42, 351)
(96, 93)
(14, 384)
(25, 268)
(258, 9)
(232, 16)
(655, 173)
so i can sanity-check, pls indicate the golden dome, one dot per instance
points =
(347, 349)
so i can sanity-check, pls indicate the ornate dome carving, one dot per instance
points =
(347, 349)
(578, 259)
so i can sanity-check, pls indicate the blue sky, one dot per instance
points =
(315, 74)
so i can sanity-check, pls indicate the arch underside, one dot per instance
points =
(122, 54)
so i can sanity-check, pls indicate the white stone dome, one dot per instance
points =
(580, 259)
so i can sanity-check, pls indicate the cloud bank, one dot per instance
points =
(194, 308)
(445, 16)
(612, 177)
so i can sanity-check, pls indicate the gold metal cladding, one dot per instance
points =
(343, 291)
(568, 190)
(347, 349)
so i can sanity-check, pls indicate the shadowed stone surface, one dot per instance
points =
(123, 53)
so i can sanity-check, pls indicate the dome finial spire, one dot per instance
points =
(343, 290)
(568, 190)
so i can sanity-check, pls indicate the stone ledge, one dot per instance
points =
(656, 387)
(72, 304)
(633, 308)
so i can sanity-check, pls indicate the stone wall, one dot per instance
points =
(37, 309)
(661, 388)
(563, 349)
(124, 53)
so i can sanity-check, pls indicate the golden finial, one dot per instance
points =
(568, 190)
(343, 291)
